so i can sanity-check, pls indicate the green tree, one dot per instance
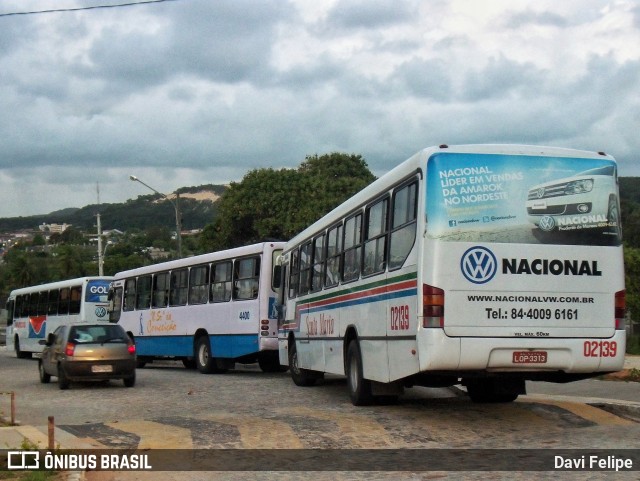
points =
(632, 281)
(277, 204)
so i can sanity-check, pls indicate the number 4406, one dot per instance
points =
(600, 348)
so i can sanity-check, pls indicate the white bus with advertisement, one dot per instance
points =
(209, 311)
(34, 312)
(484, 266)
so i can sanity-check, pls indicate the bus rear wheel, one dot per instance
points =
(359, 387)
(20, 354)
(269, 362)
(205, 362)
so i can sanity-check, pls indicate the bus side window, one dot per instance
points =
(33, 304)
(375, 246)
(198, 284)
(52, 304)
(294, 278)
(179, 287)
(129, 295)
(160, 297)
(403, 224)
(352, 248)
(63, 301)
(245, 278)
(43, 300)
(305, 268)
(317, 272)
(221, 282)
(334, 251)
(143, 294)
(75, 300)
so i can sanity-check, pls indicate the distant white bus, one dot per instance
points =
(34, 312)
(447, 271)
(210, 311)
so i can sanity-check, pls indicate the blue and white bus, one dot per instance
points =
(34, 312)
(484, 266)
(210, 311)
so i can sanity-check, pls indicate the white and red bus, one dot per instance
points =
(484, 266)
(34, 312)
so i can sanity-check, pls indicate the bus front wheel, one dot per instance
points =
(359, 387)
(205, 362)
(301, 377)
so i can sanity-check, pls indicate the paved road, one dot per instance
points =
(173, 407)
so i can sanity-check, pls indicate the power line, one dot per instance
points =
(95, 7)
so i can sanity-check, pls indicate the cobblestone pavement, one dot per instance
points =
(171, 407)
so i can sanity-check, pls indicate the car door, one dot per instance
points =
(52, 353)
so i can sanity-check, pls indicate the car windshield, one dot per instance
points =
(97, 334)
(605, 170)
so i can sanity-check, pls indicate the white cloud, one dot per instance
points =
(192, 91)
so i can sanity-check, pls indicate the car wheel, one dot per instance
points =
(44, 377)
(130, 381)
(63, 381)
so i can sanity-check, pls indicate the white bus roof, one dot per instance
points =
(58, 284)
(417, 162)
(200, 259)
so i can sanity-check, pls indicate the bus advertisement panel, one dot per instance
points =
(499, 198)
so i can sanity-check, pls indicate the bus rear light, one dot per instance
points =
(265, 323)
(432, 306)
(69, 349)
(132, 349)
(620, 308)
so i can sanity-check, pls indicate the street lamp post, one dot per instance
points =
(176, 206)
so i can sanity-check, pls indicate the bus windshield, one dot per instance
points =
(522, 199)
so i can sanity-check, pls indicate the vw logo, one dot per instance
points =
(478, 265)
(101, 311)
(547, 223)
(540, 192)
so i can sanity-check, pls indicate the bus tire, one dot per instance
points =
(204, 361)
(269, 362)
(44, 377)
(301, 377)
(359, 387)
(20, 354)
(63, 381)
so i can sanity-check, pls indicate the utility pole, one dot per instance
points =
(100, 253)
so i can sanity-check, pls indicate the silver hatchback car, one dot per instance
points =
(88, 352)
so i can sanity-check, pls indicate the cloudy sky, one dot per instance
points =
(190, 92)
